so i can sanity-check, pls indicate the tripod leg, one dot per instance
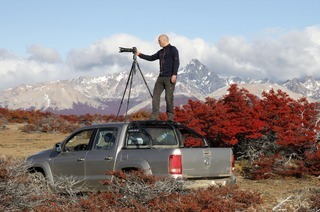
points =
(145, 82)
(129, 96)
(124, 93)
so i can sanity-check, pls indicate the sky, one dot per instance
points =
(43, 41)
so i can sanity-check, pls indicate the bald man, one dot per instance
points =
(169, 63)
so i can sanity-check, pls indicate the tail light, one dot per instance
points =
(175, 164)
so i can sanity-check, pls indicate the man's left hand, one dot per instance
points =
(173, 79)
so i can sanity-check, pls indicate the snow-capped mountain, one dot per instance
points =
(308, 87)
(199, 78)
(105, 94)
(82, 95)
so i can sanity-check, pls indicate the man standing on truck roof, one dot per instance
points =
(169, 63)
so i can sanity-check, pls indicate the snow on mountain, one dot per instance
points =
(199, 78)
(104, 94)
(99, 93)
(55, 95)
(307, 86)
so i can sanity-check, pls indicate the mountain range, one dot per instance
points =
(110, 93)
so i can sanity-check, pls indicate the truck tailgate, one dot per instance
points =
(206, 162)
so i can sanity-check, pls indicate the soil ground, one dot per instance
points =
(17, 144)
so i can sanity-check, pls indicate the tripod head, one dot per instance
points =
(133, 50)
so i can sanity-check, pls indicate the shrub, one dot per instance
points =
(50, 124)
(315, 200)
(313, 161)
(268, 166)
(20, 191)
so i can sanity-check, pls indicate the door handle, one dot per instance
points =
(80, 159)
(108, 158)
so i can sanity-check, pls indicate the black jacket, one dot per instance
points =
(168, 60)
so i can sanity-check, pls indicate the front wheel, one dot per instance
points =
(40, 181)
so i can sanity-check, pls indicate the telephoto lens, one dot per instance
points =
(133, 49)
(125, 49)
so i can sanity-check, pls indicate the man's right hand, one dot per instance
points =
(137, 53)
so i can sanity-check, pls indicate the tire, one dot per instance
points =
(39, 179)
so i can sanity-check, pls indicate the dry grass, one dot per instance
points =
(14, 143)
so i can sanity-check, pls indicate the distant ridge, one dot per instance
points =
(102, 95)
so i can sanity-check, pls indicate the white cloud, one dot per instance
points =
(279, 55)
(42, 54)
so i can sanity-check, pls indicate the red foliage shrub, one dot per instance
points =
(192, 142)
(140, 115)
(101, 201)
(261, 168)
(312, 162)
(147, 193)
(251, 125)
(50, 124)
(269, 166)
(210, 199)
(294, 168)
(227, 121)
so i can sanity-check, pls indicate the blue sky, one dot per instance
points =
(51, 40)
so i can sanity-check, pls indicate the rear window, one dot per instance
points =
(190, 139)
(151, 136)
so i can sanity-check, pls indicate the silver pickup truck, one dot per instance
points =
(160, 148)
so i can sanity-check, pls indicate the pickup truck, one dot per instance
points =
(160, 148)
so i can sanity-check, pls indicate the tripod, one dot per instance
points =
(132, 72)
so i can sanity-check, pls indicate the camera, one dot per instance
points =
(133, 50)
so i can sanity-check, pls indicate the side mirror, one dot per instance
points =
(58, 147)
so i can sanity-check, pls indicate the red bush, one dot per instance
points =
(313, 162)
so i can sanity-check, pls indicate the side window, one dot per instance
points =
(191, 139)
(79, 141)
(105, 138)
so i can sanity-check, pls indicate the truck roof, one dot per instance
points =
(137, 122)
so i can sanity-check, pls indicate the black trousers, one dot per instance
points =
(163, 84)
